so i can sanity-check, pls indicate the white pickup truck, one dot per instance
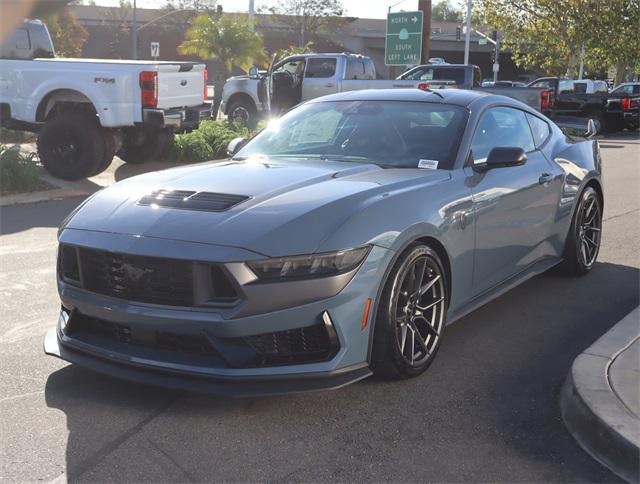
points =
(86, 110)
(299, 78)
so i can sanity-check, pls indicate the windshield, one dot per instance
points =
(386, 133)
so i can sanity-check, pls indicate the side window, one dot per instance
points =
(320, 67)
(565, 86)
(370, 70)
(545, 84)
(580, 87)
(501, 127)
(17, 46)
(539, 128)
(40, 42)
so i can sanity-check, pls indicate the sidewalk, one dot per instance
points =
(600, 401)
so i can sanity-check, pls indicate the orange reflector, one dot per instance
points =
(365, 315)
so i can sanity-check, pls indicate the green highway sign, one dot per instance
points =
(482, 41)
(404, 39)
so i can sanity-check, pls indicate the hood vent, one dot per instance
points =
(190, 200)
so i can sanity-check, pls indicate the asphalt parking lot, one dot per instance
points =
(487, 409)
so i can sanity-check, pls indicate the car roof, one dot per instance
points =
(460, 97)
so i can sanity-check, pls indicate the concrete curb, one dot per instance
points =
(594, 414)
(43, 196)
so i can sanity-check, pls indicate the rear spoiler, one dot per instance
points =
(577, 127)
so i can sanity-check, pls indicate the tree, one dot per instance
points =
(117, 22)
(226, 38)
(197, 5)
(309, 17)
(551, 34)
(293, 50)
(444, 12)
(67, 34)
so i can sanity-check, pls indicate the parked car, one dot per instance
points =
(86, 110)
(590, 99)
(624, 101)
(300, 78)
(338, 242)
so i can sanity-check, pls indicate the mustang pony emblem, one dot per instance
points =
(135, 273)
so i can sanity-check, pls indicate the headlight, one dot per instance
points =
(312, 265)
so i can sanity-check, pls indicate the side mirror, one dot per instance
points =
(253, 72)
(505, 156)
(235, 145)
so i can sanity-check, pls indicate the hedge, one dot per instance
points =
(208, 142)
(19, 172)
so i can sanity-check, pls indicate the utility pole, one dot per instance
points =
(581, 72)
(425, 7)
(467, 38)
(251, 14)
(134, 32)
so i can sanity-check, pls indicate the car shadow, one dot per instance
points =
(487, 409)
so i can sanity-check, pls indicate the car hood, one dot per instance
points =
(293, 206)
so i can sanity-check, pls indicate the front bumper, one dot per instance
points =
(249, 386)
(224, 370)
(179, 119)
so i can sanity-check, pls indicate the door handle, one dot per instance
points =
(545, 178)
(328, 84)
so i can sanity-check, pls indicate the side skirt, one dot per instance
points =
(505, 286)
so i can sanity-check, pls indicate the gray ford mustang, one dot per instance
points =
(337, 243)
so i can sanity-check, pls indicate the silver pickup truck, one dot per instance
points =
(299, 78)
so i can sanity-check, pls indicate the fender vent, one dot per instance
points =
(190, 200)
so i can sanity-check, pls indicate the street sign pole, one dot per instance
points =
(467, 38)
(134, 33)
(403, 44)
(425, 7)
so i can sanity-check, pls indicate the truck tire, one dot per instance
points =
(71, 146)
(243, 111)
(109, 138)
(142, 145)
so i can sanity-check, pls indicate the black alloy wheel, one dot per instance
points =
(583, 241)
(589, 228)
(411, 315)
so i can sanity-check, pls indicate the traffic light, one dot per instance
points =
(458, 32)
(494, 35)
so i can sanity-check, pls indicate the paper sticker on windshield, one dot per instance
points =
(428, 164)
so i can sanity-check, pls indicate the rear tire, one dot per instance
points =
(109, 139)
(71, 146)
(142, 145)
(410, 321)
(583, 240)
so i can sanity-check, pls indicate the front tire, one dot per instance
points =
(243, 112)
(71, 146)
(140, 145)
(411, 315)
(583, 240)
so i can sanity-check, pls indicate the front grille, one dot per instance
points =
(190, 200)
(143, 342)
(299, 345)
(138, 278)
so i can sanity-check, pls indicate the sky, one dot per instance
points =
(354, 8)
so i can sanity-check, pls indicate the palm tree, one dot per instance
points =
(224, 37)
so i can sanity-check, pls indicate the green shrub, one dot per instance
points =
(208, 142)
(19, 172)
(13, 136)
